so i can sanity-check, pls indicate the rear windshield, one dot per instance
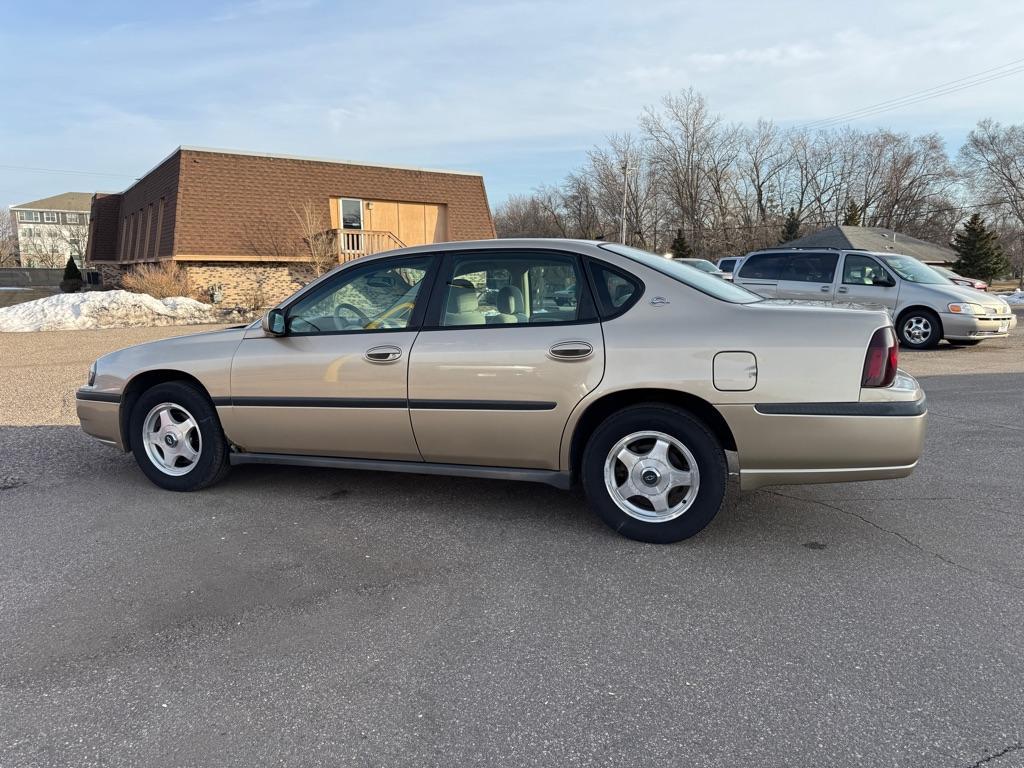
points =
(704, 282)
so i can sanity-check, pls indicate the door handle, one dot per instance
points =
(571, 350)
(826, 288)
(843, 289)
(385, 354)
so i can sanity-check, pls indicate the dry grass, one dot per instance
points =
(161, 281)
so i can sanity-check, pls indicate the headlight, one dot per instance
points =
(92, 374)
(967, 309)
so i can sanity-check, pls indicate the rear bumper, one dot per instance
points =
(100, 415)
(879, 437)
(971, 327)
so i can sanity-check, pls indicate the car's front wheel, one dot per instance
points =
(654, 473)
(177, 438)
(919, 329)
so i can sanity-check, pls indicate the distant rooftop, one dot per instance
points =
(66, 201)
(877, 239)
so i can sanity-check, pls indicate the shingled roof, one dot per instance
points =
(874, 239)
(66, 201)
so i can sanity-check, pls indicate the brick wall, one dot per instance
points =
(229, 200)
(248, 285)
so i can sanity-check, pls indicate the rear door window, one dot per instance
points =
(764, 266)
(811, 267)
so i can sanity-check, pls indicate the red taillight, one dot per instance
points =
(882, 359)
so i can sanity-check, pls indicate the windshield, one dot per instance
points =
(684, 273)
(912, 270)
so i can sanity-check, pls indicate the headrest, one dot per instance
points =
(510, 301)
(462, 299)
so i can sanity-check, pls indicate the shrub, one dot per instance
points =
(72, 279)
(161, 281)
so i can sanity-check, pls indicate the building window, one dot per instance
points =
(351, 213)
(26, 231)
(72, 218)
(50, 217)
(28, 215)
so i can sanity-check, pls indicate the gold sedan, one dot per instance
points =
(467, 359)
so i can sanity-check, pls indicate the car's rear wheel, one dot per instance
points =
(919, 329)
(654, 473)
(177, 438)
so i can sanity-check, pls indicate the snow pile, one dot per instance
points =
(1017, 297)
(104, 309)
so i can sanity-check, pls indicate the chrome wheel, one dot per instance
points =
(917, 329)
(651, 476)
(171, 437)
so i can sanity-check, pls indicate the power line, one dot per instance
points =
(65, 171)
(952, 86)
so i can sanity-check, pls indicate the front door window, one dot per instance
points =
(377, 298)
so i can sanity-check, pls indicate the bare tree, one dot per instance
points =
(321, 246)
(8, 239)
(992, 159)
(267, 239)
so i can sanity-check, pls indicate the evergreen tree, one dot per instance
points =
(980, 253)
(72, 280)
(680, 249)
(854, 214)
(790, 227)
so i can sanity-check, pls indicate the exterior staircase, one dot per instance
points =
(356, 243)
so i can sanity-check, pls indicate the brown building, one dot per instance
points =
(232, 219)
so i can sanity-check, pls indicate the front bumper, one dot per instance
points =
(971, 327)
(879, 437)
(100, 415)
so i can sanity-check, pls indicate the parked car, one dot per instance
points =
(925, 305)
(566, 297)
(387, 363)
(967, 282)
(729, 266)
(703, 265)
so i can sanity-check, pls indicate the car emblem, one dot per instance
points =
(659, 301)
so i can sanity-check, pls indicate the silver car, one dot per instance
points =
(924, 305)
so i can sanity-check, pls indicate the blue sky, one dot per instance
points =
(517, 90)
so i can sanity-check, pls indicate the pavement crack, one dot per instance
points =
(996, 755)
(909, 542)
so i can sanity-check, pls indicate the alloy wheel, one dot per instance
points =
(917, 329)
(651, 476)
(172, 439)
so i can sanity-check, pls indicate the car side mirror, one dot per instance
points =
(273, 323)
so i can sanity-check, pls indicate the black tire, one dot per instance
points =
(920, 317)
(210, 466)
(678, 424)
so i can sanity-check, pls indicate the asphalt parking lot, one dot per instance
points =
(305, 617)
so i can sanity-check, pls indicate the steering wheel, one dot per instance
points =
(363, 318)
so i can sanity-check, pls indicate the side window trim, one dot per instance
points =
(594, 264)
(586, 306)
(329, 286)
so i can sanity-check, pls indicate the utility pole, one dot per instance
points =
(625, 191)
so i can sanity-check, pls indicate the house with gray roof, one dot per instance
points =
(52, 229)
(878, 239)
